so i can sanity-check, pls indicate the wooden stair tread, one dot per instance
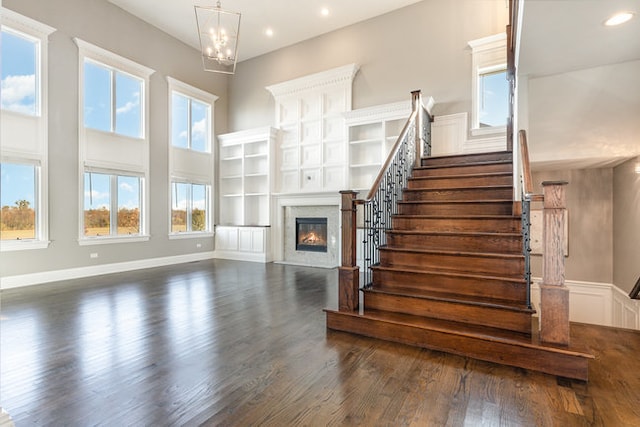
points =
(460, 253)
(486, 187)
(508, 217)
(452, 298)
(458, 165)
(531, 341)
(453, 233)
(462, 202)
(450, 273)
(469, 175)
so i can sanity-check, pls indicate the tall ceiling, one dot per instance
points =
(292, 21)
(583, 78)
(583, 82)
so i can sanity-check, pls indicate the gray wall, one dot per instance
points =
(105, 25)
(626, 224)
(590, 209)
(422, 46)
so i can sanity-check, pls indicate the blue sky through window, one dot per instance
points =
(17, 182)
(494, 99)
(18, 58)
(189, 123)
(99, 107)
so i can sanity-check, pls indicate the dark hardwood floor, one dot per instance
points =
(239, 344)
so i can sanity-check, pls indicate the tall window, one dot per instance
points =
(191, 160)
(189, 123)
(112, 100)
(493, 98)
(112, 205)
(23, 152)
(113, 147)
(189, 207)
(490, 96)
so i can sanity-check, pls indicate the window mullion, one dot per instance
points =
(113, 100)
(189, 130)
(189, 206)
(113, 215)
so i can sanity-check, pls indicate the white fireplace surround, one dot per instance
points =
(278, 229)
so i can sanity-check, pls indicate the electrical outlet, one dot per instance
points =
(93, 255)
(198, 245)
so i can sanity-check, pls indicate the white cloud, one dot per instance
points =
(126, 187)
(130, 105)
(199, 204)
(96, 195)
(18, 93)
(199, 130)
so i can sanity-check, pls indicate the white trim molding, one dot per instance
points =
(338, 75)
(30, 279)
(597, 303)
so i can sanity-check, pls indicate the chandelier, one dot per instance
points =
(218, 31)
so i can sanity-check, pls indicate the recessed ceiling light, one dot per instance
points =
(618, 18)
(324, 11)
(268, 32)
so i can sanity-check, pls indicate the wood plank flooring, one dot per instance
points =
(244, 344)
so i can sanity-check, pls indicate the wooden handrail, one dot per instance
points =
(527, 180)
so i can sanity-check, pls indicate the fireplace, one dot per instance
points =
(311, 234)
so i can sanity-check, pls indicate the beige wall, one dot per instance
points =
(422, 46)
(626, 224)
(590, 209)
(105, 25)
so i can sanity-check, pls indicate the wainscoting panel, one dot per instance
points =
(597, 303)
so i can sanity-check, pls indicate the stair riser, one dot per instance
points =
(500, 193)
(462, 170)
(479, 208)
(538, 359)
(458, 182)
(494, 244)
(510, 266)
(479, 225)
(471, 314)
(467, 158)
(471, 286)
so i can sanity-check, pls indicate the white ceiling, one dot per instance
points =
(566, 35)
(583, 82)
(558, 37)
(292, 21)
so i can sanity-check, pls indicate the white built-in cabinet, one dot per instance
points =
(371, 133)
(245, 183)
(311, 156)
(245, 176)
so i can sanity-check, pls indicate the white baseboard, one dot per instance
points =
(597, 303)
(96, 270)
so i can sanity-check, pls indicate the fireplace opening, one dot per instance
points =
(311, 234)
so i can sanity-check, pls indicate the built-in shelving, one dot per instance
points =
(245, 176)
(372, 132)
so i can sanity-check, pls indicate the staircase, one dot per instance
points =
(450, 277)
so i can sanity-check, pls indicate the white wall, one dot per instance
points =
(422, 46)
(103, 24)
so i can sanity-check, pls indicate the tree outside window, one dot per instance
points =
(189, 211)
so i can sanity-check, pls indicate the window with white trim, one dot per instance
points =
(191, 160)
(113, 147)
(24, 116)
(190, 207)
(490, 96)
(112, 204)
